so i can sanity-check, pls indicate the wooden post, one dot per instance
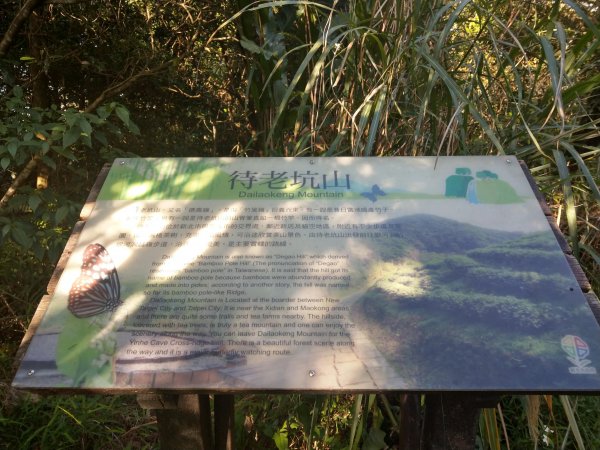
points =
(224, 422)
(183, 420)
(410, 422)
(451, 420)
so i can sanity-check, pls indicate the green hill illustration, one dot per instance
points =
(426, 232)
(448, 296)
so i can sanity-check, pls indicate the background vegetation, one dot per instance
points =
(85, 81)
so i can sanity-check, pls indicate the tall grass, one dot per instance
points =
(398, 77)
(465, 77)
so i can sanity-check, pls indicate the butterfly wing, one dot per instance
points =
(89, 297)
(98, 264)
(98, 288)
(377, 190)
(370, 196)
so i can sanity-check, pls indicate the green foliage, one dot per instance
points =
(293, 421)
(38, 219)
(90, 422)
(551, 421)
(52, 133)
(355, 71)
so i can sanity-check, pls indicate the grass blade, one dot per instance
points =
(590, 251)
(356, 422)
(571, 213)
(458, 93)
(554, 76)
(374, 126)
(566, 403)
(532, 410)
(583, 168)
(488, 425)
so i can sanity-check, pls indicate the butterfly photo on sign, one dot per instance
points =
(97, 289)
(87, 345)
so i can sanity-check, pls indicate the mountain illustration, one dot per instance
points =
(452, 304)
(427, 232)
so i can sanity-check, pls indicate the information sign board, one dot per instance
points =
(316, 274)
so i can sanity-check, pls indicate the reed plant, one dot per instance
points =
(405, 77)
(465, 77)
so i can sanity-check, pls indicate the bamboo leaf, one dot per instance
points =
(250, 46)
(315, 74)
(583, 168)
(279, 64)
(331, 151)
(565, 178)
(290, 89)
(588, 22)
(562, 40)
(583, 87)
(449, 23)
(455, 89)
(295, 80)
(488, 426)
(259, 5)
(388, 409)
(431, 80)
(356, 422)
(365, 112)
(554, 74)
(374, 126)
(590, 251)
(590, 51)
